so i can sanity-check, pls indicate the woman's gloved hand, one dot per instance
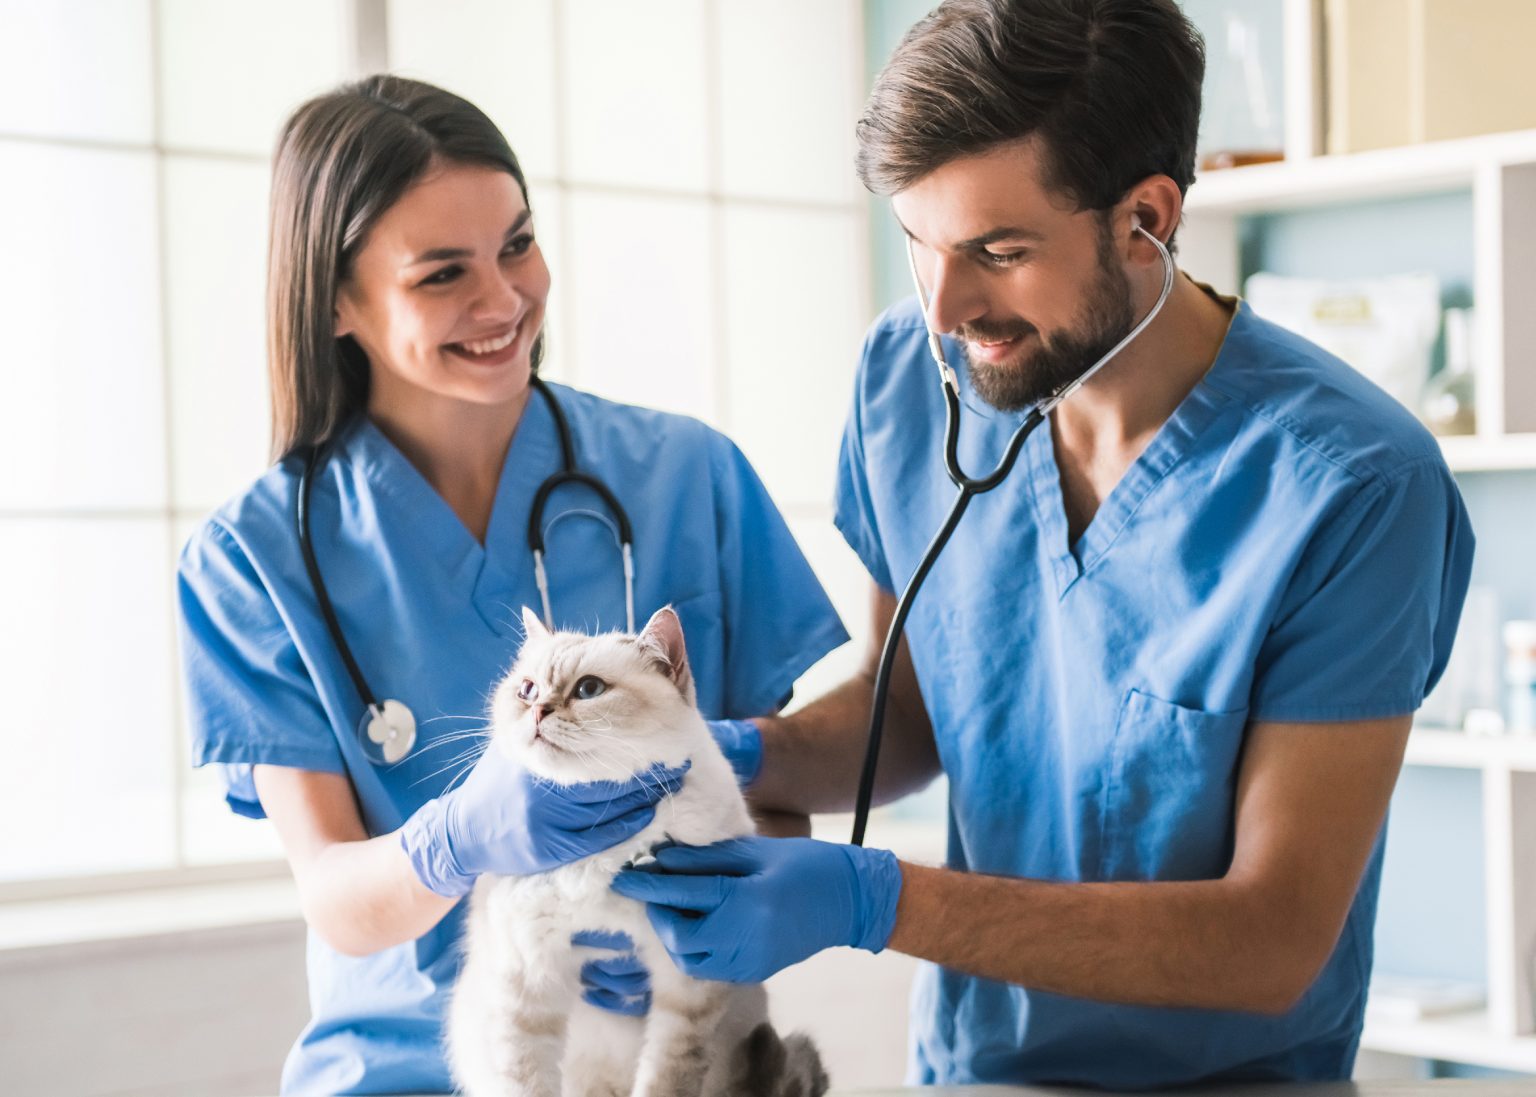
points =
(742, 745)
(739, 911)
(502, 819)
(618, 983)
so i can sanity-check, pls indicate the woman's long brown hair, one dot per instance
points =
(342, 160)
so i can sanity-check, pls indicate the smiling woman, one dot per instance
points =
(406, 307)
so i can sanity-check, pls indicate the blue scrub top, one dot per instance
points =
(433, 620)
(1289, 547)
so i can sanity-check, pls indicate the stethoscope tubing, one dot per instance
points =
(968, 488)
(569, 473)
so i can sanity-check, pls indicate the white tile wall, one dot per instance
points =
(795, 310)
(641, 312)
(498, 54)
(216, 250)
(87, 783)
(76, 68)
(636, 93)
(230, 73)
(549, 217)
(82, 422)
(790, 89)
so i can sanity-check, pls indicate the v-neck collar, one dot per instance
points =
(1070, 561)
(489, 574)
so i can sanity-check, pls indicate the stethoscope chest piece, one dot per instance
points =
(387, 732)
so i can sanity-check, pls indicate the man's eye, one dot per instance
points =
(590, 687)
(527, 691)
(1003, 258)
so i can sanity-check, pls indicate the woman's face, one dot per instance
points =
(447, 294)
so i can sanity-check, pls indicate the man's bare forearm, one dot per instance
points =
(1215, 944)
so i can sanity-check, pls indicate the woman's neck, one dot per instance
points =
(459, 448)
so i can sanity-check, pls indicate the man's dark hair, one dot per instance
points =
(1110, 87)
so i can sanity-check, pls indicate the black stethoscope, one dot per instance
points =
(387, 730)
(969, 488)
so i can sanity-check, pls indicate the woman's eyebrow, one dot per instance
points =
(437, 255)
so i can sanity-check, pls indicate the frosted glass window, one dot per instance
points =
(77, 68)
(84, 404)
(498, 54)
(791, 87)
(216, 258)
(230, 73)
(641, 315)
(86, 643)
(795, 307)
(847, 583)
(636, 92)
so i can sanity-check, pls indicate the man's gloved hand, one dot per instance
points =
(739, 911)
(742, 745)
(619, 983)
(502, 819)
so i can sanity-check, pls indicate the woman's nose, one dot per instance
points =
(500, 297)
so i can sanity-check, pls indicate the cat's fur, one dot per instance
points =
(517, 1024)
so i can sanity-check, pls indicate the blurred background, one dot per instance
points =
(1370, 180)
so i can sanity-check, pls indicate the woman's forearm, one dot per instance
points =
(364, 896)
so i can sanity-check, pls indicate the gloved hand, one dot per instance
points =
(619, 984)
(504, 820)
(739, 911)
(742, 745)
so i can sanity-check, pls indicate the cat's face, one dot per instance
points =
(578, 708)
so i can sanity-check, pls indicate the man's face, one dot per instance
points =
(1034, 290)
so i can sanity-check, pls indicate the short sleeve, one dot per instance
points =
(250, 700)
(778, 619)
(853, 513)
(1366, 627)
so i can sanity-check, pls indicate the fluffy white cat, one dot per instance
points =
(575, 709)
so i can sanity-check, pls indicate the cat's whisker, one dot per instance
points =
(467, 758)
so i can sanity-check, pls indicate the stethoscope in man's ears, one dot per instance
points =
(387, 729)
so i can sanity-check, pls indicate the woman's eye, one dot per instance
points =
(442, 277)
(518, 245)
(590, 687)
(527, 691)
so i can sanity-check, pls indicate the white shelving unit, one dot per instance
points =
(1499, 173)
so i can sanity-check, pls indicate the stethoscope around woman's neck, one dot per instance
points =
(969, 488)
(387, 730)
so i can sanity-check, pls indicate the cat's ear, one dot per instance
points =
(663, 634)
(533, 628)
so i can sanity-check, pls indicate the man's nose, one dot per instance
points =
(955, 296)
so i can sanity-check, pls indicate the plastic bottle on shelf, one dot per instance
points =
(1449, 405)
(1520, 676)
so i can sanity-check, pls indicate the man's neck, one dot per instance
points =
(1102, 428)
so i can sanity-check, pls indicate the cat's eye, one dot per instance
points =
(527, 691)
(589, 687)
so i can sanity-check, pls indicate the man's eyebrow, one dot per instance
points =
(437, 255)
(1006, 232)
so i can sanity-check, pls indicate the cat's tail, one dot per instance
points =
(766, 1066)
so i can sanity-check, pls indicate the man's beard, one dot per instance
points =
(1065, 356)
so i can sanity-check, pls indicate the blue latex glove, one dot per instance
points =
(620, 983)
(739, 911)
(502, 819)
(742, 745)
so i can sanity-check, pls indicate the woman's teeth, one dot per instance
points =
(491, 346)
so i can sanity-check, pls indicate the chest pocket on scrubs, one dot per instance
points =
(1168, 794)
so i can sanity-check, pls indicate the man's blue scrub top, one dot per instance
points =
(1289, 547)
(433, 619)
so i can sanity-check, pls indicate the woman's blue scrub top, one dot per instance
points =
(1289, 547)
(433, 620)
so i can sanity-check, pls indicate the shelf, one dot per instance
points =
(1490, 454)
(1457, 1038)
(1381, 173)
(1457, 750)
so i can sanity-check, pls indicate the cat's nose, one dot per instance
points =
(538, 714)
